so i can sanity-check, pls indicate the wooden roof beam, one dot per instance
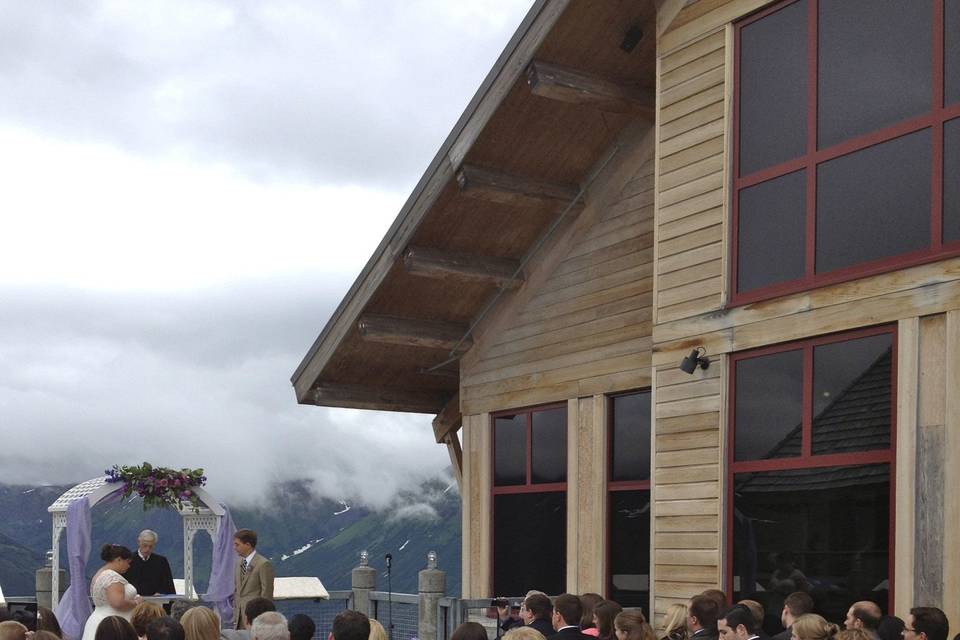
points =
(569, 85)
(434, 263)
(378, 398)
(449, 420)
(504, 188)
(428, 334)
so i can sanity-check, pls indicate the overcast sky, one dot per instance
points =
(188, 189)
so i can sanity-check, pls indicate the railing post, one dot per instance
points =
(431, 585)
(363, 581)
(44, 582)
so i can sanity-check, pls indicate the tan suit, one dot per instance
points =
(257, 583)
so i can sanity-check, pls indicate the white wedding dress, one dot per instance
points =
(102, 608)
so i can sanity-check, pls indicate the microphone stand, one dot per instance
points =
(389, 559)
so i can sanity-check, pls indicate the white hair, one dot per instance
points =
(148, 535)
(270, 625)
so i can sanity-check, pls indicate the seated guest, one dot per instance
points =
(200, 623)
(301, 627)
(536, 612)
(926, 623)
(165, 628)
(180, 607)
(567, 612)
(864, 615)
(27, 618)
(271, 625)
(702, 618)
(890, 628)
(115, 628)
(604, 614)
(12, 630)
(719, 596)
(253, 609)
(795, 605)
(469, 631)
(143, 614)
(810, 626)
(631, 625)
(737, 623)
(508, 615)
(756, 610)
(588, 601)
(350, 625)
(675, 622)
(852, 634)
(149, 572)
(523, 633)
(377, 632)
(47, 621)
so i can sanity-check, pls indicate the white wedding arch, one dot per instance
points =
(207, 518)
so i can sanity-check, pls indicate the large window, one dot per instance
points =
(530, 501)
(847, 115)
(811, 468)
(628, 485)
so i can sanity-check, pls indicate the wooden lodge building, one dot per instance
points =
(774, 186)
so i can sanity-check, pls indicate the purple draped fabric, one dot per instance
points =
(74, 608)
(220, 590)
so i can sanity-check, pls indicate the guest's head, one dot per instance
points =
(536, 606)
(12, 630)
(256, 606)
(244, 542)
(143, 614)
(301, 627)
(719, 596)
(115, 628)
(523, 633)
(926, 623)
(350, 625)
(47, 621)
(116, 557)
(631, 625)
(702, 613)
(811, 626)
(270, 625)
(795, 605)
(146, 542)
(180, 607)
(165, 628)
(863, 615)
(891, 628)
(200, 623)
(588, 601)
(756, 610)
(377, 632)
(737, 623)
(567, 611)
(675, 618)
(852, 634)
(604, 614)
(469, 631)
(27, 618)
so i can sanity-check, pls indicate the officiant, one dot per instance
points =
(149, 572)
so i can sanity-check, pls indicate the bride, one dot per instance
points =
(112, 594)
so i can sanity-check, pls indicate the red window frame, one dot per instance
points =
(529, 486)
(621, 485)
(934, 120)
(806, 459)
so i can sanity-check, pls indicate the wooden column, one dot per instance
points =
(477, 505)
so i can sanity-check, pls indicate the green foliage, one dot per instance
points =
(159, 486)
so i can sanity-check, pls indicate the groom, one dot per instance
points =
(253, 577)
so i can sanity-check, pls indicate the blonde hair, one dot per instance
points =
(12, 630)
(523, 633)
(810, 626)
(852, 634)
(675, 618)
(143, 614)
(200, 623)
(377, 632)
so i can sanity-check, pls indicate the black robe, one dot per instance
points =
(150, 576)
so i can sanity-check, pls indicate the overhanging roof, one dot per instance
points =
(554, 102)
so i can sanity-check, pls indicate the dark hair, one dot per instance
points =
(351, 625)
(47, 621)
(740, 614)
(469, 631)
(539, 605)
(109, 552)
(569, 608)
(256, 606)
(165, 628)
(246, 535)
(931, 621)
(588, 601)
(606, 613)
(705, 610)
(301, 627)
(43, 634)
(115, 628)
(757, 610)
(634, 625)
(27, 618)
(890, 628)
(868, 613)
(798, 603)
(717, 595)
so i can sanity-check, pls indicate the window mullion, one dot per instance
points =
(936, 170)
(806, 445)
(811, 175)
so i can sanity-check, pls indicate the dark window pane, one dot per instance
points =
(629, 549)
(874, 203)
(510, 450)
(773, 88)
(529, 542)
(768, 406)
(824, 531)
(631, 437)
(550, 445)
(951, 183)
(874, 66)
(771, 231)
(951, 71)
(851, 395)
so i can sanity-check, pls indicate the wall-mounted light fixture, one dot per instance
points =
(694, 360)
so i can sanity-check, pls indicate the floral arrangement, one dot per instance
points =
(159, 486)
